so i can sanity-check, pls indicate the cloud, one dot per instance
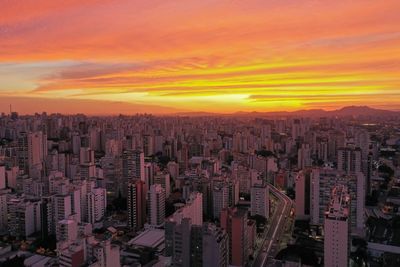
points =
(180, 54)
(27, 105)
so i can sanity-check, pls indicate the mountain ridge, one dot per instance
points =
(341, 112)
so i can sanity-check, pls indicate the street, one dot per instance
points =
(270, 246)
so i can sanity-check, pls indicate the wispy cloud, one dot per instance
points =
(251, 55)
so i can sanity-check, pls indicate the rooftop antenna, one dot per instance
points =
(10, 109)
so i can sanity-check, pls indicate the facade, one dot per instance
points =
(304, 157)
(156, 205)
(235, 222)
(133, 165)
(215, 246)
(136, 204)
(322, 183)
(303, 194)
(220, 196)
(23, 217)
(164, 180)
(349, 160)
(96, 205)
(259, 201)
(336, 228)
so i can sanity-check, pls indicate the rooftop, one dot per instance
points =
(149, 238)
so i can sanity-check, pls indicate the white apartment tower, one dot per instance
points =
(336, 228)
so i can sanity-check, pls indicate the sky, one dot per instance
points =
(160, 56)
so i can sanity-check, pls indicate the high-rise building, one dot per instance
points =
(193, 209)
(133, 165)
(22, 152)
(303, 194)
(349, 160)
(322, 183)
(148, 174)
(233, 186)
(259, 200)
(3, 183)
(156, 205)
(336, 228)
(235, 222)
(304, 156)
(37, 151)
(196, 245)
(182, 221)
(23, 217)
(181, 255)
(136, 204)
(87, 170)
(164, 180)
(76, 207)
(220, 196)
(148, 145)
(173, 169)
(3, 211)
(104, 253)
(47, 221)
(96, 205)
(86, 155)
(67, 230)
(215, 246)
(61, 207)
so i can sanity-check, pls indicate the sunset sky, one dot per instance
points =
(106, 57)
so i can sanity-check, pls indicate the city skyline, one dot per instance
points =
(165, 57)
(241, 190)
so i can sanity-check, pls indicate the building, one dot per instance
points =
(67, 230)
(235, 222)
(304, 156)
(322, 183)
(136, 204)
(3, 211)
(71, 254)
(173, 169)
(234, 190)
(259, 198)
(3, 183)
(215, 246)
(62, 207)
(336, 228)
(96, 205)
(164, 180)
(103, 253)
(22, 152)
(185, 221)
(23, 217)
(37, 151)
(133, 165)
(349, 160)
(196, 245)
(181, 238)
(220, 196)
(303, 194)
(192, 209)
(156, 205)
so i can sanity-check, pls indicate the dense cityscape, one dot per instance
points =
(233, 190)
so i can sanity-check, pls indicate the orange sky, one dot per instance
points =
(105, 56)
